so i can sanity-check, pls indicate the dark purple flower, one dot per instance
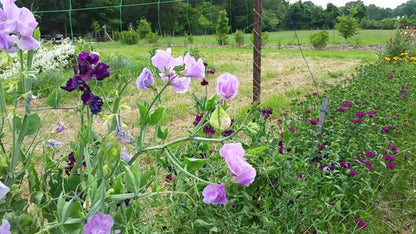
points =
(345, 164)
(388, 157)
(292, 129)
(315, 93)
(266, 112)
(385, 129)
(301, 103)
(209, 130)
(357, 120)
(331, 166)
(204, 82)
(75, 83)
(390, 77)
(316, 159)
(360, 114)
(360, 223)
(368, 165)
(101, 71)
(99, 223)
(198, 119)
(352, 172)
(392, 147)
(215, 194)
(358, 160)
(321, 167)
(313, 121)
(369, 154)
(93, 101)
(288, 149)
(371, 114)
(227, 132)
(347, 104)
(405, 158)
(71, 163)
(341, 109)
(392, 166)
(85, 56)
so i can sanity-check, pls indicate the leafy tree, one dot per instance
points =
(222, 28)
(331, 14)
(143, 28)
(270, 21)
(359, 12)
(320, 39)
(347, 26)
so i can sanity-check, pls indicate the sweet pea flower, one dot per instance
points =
(3, 190)
(165, 62)
(215, 194)
(99, 223)
(233, 153)
(95, 102)
(194, 69)
(227, 86)
(16, 28)
(125, 156)
(180, 84)
(5, 227)
(145, 79)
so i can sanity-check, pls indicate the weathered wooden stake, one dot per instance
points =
(257, 52)
(322, 116)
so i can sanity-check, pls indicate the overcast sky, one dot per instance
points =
(339, 3)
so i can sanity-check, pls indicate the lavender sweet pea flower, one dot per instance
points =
(126, 157)
(181, 84)
(164, 61)
(99, 223)
(233, 154)
(145, 79)
(194, 69)
(5, 227)
(16, 28)
(215, 194)
(52, 144)
(227, 86)
(3, 190)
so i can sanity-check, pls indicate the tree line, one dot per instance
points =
(198, 17)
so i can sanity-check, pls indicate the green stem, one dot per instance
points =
(122, 197)
(179, 167)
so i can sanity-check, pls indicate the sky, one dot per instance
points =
(339, 3)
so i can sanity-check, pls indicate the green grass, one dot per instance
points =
(364, 37)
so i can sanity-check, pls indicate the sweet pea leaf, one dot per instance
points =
(162, 134)
(34, 123)
(212, 102)
(193, 164)
(142, 110)
(145, 177)
(257, 150)
(130, 180)
(54, 98)
(156, 116)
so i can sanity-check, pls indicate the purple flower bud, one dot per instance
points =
(204, 82)
(145, 79)
(227, 86)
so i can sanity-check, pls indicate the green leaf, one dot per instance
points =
(145, 177)
(162, 134)
(36, 34)
(211, 103)
(257, 150)
(193, 164)
(202, 223)
(130, 180)
(34, 124)
(54, 98)
(36, 197)
(142, 110)
(156, 116)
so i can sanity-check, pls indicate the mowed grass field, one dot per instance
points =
(363, 38)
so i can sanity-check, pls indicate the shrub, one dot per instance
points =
(239, 37)
(143, 28)
(319, 39)
(152, 38)
(129, 37)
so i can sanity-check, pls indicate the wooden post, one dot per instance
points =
(322, 115)
(257, 52)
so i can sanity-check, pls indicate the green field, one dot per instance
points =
(364, 37)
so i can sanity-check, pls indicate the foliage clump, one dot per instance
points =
(239, 37)
(222, 28)
(320, 39)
